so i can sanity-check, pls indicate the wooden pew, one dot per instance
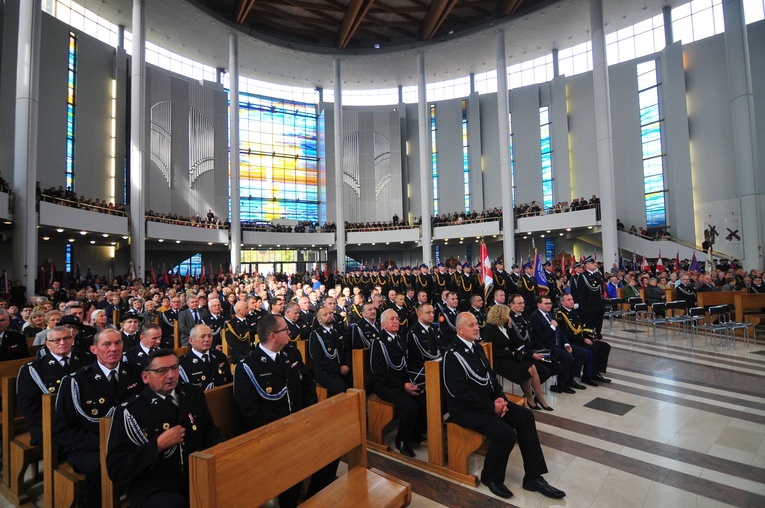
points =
(749, 307)
(9, 368)
(225, 413)
(338, 427)
(381, 412)
(460, 442)
(710, 298)
(176, 335)
(62, 486)
(20, 452)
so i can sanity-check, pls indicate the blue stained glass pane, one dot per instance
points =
(651, 132)
(653, 166)
(649, 115)
(653, 184)
(652, 148)
(655, 209)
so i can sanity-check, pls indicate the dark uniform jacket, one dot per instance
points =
(447, 325)
(137, 423)
(327, 350)
(571, 324)
(424, 345)
(167, 321)
(136, 355)
(363, 334)
(41, 376)
(216, 324)
(480, 316)
(471, 385)
(388, 361)
(298, 330)
(589, 292)
(84, 398)
(206, 375)
(266, 390)
(528, 289)
(240, 337)
(14, 346)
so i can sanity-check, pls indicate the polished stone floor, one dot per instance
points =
(677, 427)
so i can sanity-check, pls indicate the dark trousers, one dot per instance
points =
(593, 320)
(89, 464)
(517, 424)
(566, 360)
(334, 383)
(581, 359)
(600, 351)
(412, 413)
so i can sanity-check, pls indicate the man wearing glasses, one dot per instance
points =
(44, 376)
(273, 382)
(85, 397)
(154, 432)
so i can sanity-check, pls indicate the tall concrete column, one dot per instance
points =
(138, 152)
(669, 36)
(233, 95)
(555, 62)
(744, 133)
(25, 145)
(339, 164)
(603, 135)
(505, 183)
(426, 175)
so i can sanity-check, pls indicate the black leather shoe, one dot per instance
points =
(574, 384)
(557, 389)
(589, 381)
(540, 485)
(567, 389)
(499, 489)
(405, 449)
(602, 379)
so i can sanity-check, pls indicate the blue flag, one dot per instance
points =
(539, 275)
(694, 263)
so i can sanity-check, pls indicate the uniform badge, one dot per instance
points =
(329, 350)
(51, 362)
(101, 400)
(263, 359)
(269, 389)
(52, 389)
(165, 426)
(97, 377)
(94, 412)
(58, 381)
(390, 339)
(194, 360)
(204, 378)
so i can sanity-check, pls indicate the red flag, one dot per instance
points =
(211, 271)
(645, 266)
(220, 271)
(188, 274)
(659, 263)
(563, 263)
(153, 274)
(202, 276)
(486, 275)
(326, 271)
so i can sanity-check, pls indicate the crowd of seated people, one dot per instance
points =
(182, 220)
(67, 197)
(455, 218)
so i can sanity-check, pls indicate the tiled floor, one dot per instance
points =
(695, 435)
(694, 438)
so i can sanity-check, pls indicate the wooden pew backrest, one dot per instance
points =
(337, 427)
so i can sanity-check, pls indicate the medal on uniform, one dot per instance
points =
(193, 427)
(165, 426)
(194, 360)
(191, 419)
(101, 400)
(52, 389)
(204, 378)
(269, 389)
(329, 350)
(94, 412)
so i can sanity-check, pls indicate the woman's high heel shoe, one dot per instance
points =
(535, 408)
(546, 408)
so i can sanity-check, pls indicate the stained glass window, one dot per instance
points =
(70, 109)
(651, 124)
(434, 157)
(465, 159)
(546, 149)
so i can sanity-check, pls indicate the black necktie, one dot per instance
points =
(206, 358)
(113, 380)
(171, 403)
(196, 317)
(65, 363)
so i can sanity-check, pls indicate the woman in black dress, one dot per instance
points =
(508, 362)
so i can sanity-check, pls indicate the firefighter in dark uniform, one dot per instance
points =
(204, 366)
(273, 382)
(331, 361)
(589, 295)
(155, 431)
